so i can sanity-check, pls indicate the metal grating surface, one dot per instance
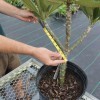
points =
(20, 83)
(23, 86)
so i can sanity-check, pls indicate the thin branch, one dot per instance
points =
(82, 37)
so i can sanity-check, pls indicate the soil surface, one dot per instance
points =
(71, 89)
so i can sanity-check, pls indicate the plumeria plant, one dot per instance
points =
(44, 8)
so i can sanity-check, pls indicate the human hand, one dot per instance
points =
(48, 57)
(13, 11)
(26, 15)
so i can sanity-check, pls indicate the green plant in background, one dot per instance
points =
(61, 11)
(43, 8)
(17, 3)
(88, 3)
(74, 8)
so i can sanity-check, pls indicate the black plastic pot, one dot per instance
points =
(71, 66)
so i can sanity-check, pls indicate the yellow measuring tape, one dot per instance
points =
(55, 44)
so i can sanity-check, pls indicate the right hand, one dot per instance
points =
(48, 57)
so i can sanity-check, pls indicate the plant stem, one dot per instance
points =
(62, 73)
(82, 37)
(68, 32)
(68, 26)
(54, 36)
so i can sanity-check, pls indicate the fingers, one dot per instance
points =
(29, 19)
(57, 62)
(32, 19)
(55, 54)
(27, 16)
(56, 59)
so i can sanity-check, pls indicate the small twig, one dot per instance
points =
(56, 73)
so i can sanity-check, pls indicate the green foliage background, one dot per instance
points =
(17, 3)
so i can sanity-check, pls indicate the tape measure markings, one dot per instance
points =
(55, 44)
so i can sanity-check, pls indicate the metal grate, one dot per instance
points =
(23, 86)
(20, 83)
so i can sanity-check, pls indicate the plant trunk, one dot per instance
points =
(82, 37)
(68, 32)
(68, 26)
(62, 73)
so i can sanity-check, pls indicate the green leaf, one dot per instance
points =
(42, 8)
(88, 12)
(31, 5)
(96, 14)
(92, 13)
(88, 3)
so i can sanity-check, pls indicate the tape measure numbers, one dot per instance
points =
(55, 44)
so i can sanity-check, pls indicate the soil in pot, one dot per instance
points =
(51, 88)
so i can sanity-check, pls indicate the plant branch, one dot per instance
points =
(82, 37)
(44, 24)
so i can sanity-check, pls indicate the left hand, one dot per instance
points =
(27, 16)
